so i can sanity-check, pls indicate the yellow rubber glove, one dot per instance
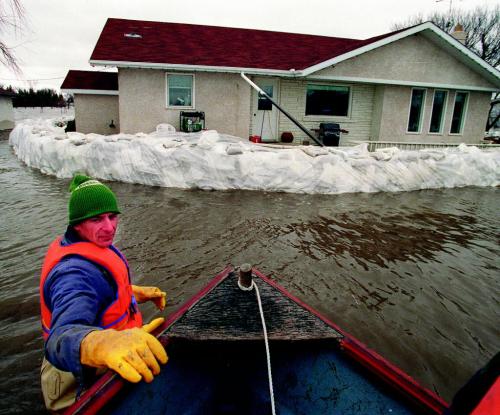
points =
(133, 353)
(153, 324)
(154, 294)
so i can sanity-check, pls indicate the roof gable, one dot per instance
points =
(412, 61)
(431, 32)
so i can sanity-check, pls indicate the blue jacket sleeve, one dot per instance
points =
(77, 292)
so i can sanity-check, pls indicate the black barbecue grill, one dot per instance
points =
(329, 134)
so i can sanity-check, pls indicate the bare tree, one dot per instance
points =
(481, 25)
(12, 17)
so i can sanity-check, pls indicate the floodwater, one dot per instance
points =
(414, 275)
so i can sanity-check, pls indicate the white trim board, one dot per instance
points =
(90, 91)
(191, 68)
(398, 82)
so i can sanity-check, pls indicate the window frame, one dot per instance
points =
(443, 113)
(422, 112)
(180, 107)
(464, 113)
(314, 117)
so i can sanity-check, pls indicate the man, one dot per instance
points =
(90, 318)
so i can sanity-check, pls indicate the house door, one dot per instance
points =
(265, 114)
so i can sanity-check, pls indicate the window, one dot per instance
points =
(458, 117)
(416, 110)
(180, 91)
(263, 103)
(327, 100)
(438, 111)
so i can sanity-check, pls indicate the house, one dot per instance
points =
(416, 84)
(6, 109)
(95, 100)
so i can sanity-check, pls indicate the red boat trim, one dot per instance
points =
(371, 360)
(99, 393)
(110, 383)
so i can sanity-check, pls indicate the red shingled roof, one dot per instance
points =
(186, 44)
(103, 81)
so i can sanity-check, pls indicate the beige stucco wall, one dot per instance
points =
(225, 99)
(414, 59)
(358, 122)
(93, 113)
(417, 60)
(6, 113)
(395, 111)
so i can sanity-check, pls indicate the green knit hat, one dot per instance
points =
(89, 198)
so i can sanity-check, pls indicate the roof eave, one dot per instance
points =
(89, 91)
(375, 81)
(203, 68)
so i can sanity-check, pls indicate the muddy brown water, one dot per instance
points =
(413, 275)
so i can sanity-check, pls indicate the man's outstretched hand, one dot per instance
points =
(154, 294)
(133, 353)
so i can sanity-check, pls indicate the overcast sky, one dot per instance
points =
(60, 35)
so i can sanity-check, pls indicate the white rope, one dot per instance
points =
(243, 288)
(268, 354)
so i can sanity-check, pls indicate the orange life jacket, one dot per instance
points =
(122, 313)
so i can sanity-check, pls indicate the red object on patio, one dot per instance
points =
(286, 137)
(255, 139)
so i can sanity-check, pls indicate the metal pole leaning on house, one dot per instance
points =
(261, 92)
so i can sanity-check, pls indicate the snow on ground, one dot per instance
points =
(209, 160)
(22, 113)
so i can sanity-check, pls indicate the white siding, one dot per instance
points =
(358, 123)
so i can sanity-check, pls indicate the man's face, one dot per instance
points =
(99, 230)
